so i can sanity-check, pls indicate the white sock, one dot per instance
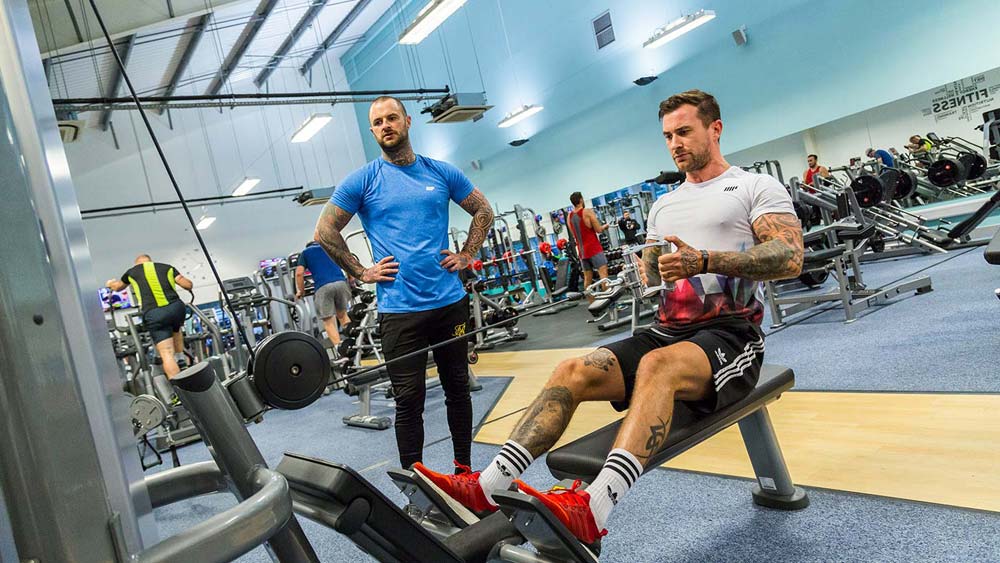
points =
(508, 465)
(619, 473)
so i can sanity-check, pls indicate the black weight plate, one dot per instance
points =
(889, 178)
(814, 278)
(290, 370)
(975, 165)
(868, 190)
(946, 172)
(906, 183)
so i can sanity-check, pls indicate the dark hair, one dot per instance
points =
(575, 198)
(812, 156)
(708, 108)
(393, 98)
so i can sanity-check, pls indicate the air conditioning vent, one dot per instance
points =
(71, 130)
(456, 108)
(604, 33)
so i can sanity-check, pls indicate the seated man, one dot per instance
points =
(921, 149)
(882, 156)
(731, 230)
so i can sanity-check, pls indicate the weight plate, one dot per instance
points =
(946, 172)
(290, 370)
(868, 190)
(975, 165)
(147, 413)
(906, 183)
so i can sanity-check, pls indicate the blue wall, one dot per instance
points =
(807, 63)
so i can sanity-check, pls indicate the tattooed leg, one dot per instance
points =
(677, 372)
(595, 377)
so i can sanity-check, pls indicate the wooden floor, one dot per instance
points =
(937, 448)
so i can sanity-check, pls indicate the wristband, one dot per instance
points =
(704, 261)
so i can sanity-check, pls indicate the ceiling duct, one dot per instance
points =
(455, 108)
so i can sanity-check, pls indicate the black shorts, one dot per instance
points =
(735, 351)
(163, 322)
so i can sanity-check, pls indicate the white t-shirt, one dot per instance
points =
(715, 215)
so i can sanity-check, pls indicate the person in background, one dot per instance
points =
(921, 149)
(154, 286)
(629, 228)
(883, 156)
(584, 225)
(331, 291)
(815, 168)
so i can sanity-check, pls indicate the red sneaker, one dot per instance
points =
(462, 492)
(571, 507)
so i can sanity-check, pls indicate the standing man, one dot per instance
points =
(629, 228)
(815, 169)
(732, 229)
(402, 199)
(331, 292)
(154, 285)
(584, 226)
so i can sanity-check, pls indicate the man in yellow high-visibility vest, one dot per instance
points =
(154, 286)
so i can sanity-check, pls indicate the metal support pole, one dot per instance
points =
(774, 486)
(235, 452)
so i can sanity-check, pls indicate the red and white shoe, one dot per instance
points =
(571, 507)
(461, 491)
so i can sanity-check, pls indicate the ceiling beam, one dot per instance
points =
(142, 16)
(246, 37)
(116, 80)
(197, 30)
(72, 19)
(304, 22)
(334, 35)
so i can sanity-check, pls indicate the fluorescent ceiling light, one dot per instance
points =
(205, 222)
(311, 126)
(240, 75)
(519, 115)
(428, 19)
(678, 27)
(245, 186)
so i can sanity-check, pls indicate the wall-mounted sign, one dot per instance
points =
(965, 99)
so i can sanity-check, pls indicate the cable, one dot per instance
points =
(170, 175)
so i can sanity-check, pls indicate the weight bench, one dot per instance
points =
(849, 239)
(992, 254)
(583, 459)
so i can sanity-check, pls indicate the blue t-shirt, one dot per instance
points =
(404, 211)
(885, 157)
(324, 270)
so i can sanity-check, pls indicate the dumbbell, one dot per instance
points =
(357, 312)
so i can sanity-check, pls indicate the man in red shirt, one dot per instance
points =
(814, 169)
(584, 226)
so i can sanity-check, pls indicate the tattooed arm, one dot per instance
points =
(778, 256)
(476, 205)
(331, 221)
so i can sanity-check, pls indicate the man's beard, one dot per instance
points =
(401, 142)
(696, 161)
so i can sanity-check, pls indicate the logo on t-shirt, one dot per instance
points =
(430, 188)
(730, 188)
